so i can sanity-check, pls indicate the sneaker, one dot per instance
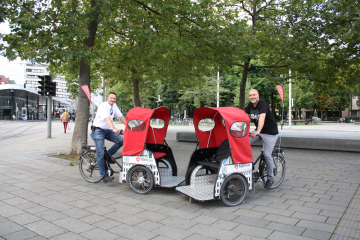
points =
(108, 178)
(269, 183)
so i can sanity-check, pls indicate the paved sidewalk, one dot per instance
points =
(45, 198)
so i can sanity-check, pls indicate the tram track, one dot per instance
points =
(22, 133)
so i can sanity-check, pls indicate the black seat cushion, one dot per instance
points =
(221, 153)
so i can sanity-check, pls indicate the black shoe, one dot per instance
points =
(108, 178)
(269, 183)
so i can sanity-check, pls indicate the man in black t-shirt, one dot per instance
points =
(266, 129)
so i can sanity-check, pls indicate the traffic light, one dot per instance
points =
(292, 102)
(52, 89)
(42, 86)
(159, 103)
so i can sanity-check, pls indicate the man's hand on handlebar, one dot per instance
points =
(115, 130)
(253, 134)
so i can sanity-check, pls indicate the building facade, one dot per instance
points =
(32, 71)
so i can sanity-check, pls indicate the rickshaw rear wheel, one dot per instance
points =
(279, 170)
(233, 190)
(141, 179)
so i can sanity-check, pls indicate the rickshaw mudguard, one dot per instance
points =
(169, 155)
(198, 155)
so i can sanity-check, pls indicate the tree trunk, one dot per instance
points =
(135, 82)
(243, 84)
(82, 116)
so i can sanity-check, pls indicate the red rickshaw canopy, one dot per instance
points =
(135, 138)
(240, 146)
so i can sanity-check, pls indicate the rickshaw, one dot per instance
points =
(221, 166)
(147, 159)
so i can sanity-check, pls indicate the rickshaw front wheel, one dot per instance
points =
(141, 179)
(233, 190)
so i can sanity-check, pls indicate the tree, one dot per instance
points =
(73, 37)
(326, 38)
(266, 39)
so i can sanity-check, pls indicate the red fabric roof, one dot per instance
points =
(134, 141)
(240, 147)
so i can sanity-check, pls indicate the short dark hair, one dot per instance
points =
(112, 93)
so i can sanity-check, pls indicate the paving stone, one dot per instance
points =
(213, 232)
(252, 231)
(73, 225)
(178, 213)
(304, 209)
(172, 232)
(247, 237)
(204, 220)
(81, 204)
(281, 219)
(286, 228)
(130, 231)
(276, 235)
(227, 225)
(317, 226)
(250, 213)
(125, 218)
(333, 202)
(196, 236)
(68, 236)
(50, 215)
(91, 219)
(98, 233)
(20, 235)
(99, 210)
(310, 217)
(316, 234)
(148, 225)
(216, 214)
(178, 222)
(121, 207)
(7, 227)
(55, 205)
(76, 212)
(282, 212)
(45, 229)
(107, 224)
(251, 221)
(24, 218)
(325, 207)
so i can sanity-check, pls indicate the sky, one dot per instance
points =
(12, 69)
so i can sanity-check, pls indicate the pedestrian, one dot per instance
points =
(65, 119)
(266, 129)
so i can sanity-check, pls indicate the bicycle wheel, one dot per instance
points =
(88, 167)
(141, 179)
(233, 190)
(279, 170)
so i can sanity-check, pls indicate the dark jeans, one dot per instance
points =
(99, 136)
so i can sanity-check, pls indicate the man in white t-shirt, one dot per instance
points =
(103, 128)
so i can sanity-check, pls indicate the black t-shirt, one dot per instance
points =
(270, 125)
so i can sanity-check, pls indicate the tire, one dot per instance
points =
(141, 179)
(279, 170)
(88, 167)
(233, 190)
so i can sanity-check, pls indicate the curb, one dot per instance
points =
(345, 145)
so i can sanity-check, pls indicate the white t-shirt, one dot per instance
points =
(104, 111)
